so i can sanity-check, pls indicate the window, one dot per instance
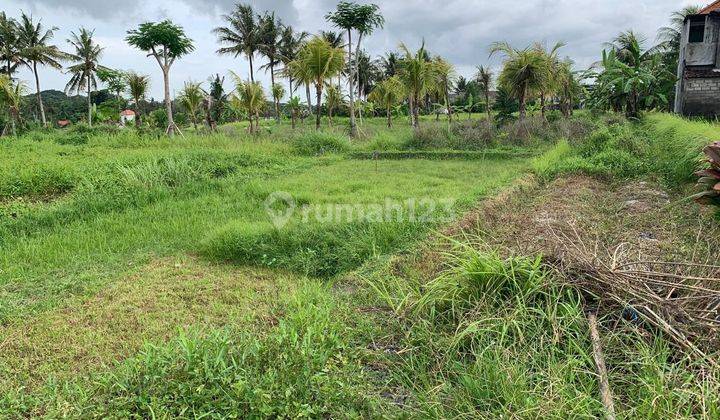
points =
(697, 30)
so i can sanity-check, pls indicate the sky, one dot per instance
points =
(459, 30)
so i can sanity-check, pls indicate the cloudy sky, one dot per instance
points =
(459, 30)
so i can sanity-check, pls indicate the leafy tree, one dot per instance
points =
(10, 56)
(11, 95)
(270, 41)
(241, 36)
(138, 86)
(249, 97)
(484, 77)
(319, 61)
(35, 49)
(191, 98)
(86, 55)
(166, 42)
(388, 94)
(418, 77)
(116, 81)
(524, 72)
(364, 19)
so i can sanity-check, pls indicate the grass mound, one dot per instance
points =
(312, 143)
(313, 249)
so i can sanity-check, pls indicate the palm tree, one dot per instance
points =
(241, 36)
(11, 98)
(35, 50)
(294, 106)
(484, 77)
(364, 19)
(418, 77)
(669, 38)
(389, 64)
(524, 72)
(550, 85)
(9, 45)
(278, 91)
(191, 97)
(569, 87)
(333, 100)
(138, 86)
(86, 56)
(249, 97)
(290, 44)
(319, 61)
(270, 40)
(444, 78)
(388, 93)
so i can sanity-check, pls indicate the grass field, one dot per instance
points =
(146, 277)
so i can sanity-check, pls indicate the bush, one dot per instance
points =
(318, 143)
(473, 134)
(527, 131)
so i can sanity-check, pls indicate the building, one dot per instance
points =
(127, 116)
(698, 89)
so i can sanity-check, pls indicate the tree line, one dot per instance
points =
(629, 78)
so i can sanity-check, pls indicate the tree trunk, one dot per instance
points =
(137, 113)
(542, 104)
(389, 117)
(487, 105)
(415, 112)
(351, 82)
(168, 102)
(89, 100)
(330, 116)
(309, 99)
(39, 96)
(318, 88)
(293, 115)
(522, 99)
(252, 73)
(275, 100)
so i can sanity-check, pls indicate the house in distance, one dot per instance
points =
(698, 88)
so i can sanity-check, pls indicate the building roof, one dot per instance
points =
(128, 113)
(712, 7)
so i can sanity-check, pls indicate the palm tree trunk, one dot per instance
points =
(168, 102)
(252, 74)
(39, 96)
(318, 90)
(389, 118)
(293, 116)
(275, 100)
(309, 99)
(137, 113)
(542, 104)
(522, 100)
(89, 100)
(487, 105)
(351, 82)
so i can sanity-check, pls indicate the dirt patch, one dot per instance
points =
(151, 306)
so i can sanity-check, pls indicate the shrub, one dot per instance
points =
(524, 132)
(473, 134)
(710, 178)
(429, 136)
(317, 143)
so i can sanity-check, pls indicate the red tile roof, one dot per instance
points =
(713, 7)
(128, 112)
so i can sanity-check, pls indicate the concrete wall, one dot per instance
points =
(702, 97)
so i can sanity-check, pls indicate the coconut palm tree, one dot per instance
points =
(85, 57)
(364, 19)
(191, 97)
(241, 36)
(418, 76)
(389, 64)
(319, 61)
(278, 91)
(387, 94)
(524, 72)
(569, 88)
(10, 56)
(290, 44)
(249, 97)
(11, 95)
(551, 83)
(270, 40)
(333, 100)
(294, 107)
(138, 86)
(36, 50)
(484, 77)
(444, 78)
